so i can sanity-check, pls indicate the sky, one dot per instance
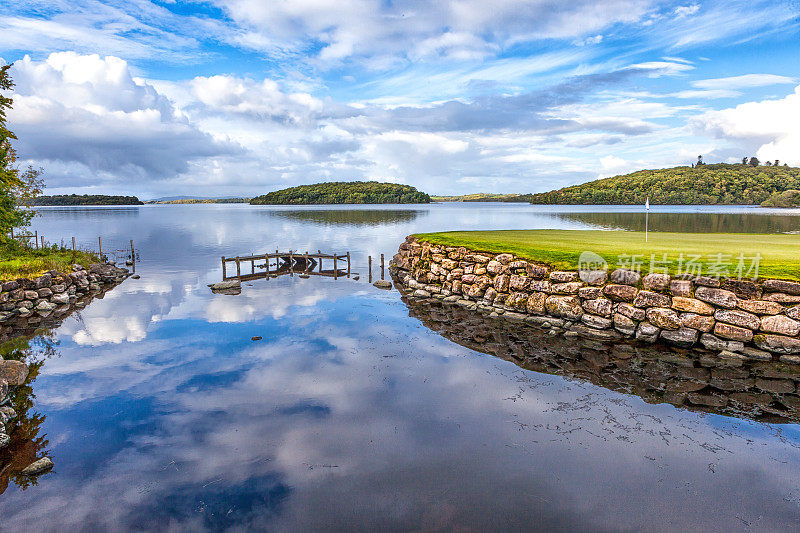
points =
(241, 97)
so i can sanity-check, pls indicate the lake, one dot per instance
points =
(161, 413)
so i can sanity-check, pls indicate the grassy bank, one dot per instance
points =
(19, 262)
(780, 254)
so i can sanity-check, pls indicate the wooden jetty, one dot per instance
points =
(286, 263)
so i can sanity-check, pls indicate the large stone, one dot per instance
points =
(738, 318)
(597, 322)
(449, 264)
(656, 282)
(501, 282)
(630, 311)
(541, 286)
(781, 297)
(44, 280)
(504, 258)
(567, 288)
(651, 299)
(702, 323)
(490, 295)
(624, 325)
(476, 258)
(620, 293)
(663, 318)
(793, 312)
(14, 372)
(779, 285)
(594, 277)
(517, 300)
(518, 283)
(536, 271)
(495, 267)
(760, 307)
(691, 305)
(680, 287)
(647, 332)
(590, 293)
(625, 277)
(45, 306)
(484, 282)
(536, 303)
(776, 386)
(9, 286)
(226, 285)
(564, 306)
(38, 467)
(60, 298)
(707, 281)
(558, 276)
(682, 336)
(777, 343)
(44, 292)
(31, 295)
(782, 325)
(748, 290)
(713, 342)
(518, 266)
(598, 306)
(719, 297)
(734, 333)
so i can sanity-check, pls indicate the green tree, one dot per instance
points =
(754, 161)
(15, 185)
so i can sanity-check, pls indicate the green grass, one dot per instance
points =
(780, 253)
(19, 262)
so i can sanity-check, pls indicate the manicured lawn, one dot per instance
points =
(780, 254)
(18, 262)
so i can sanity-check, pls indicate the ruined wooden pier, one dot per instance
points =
(287, 263)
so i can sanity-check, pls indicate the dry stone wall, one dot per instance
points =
(738, 318)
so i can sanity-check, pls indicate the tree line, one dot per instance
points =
(340, 192)
(703, 184)
(84, 199)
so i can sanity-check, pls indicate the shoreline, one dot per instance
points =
(738, 320)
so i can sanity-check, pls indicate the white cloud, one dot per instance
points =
(743, 82)
(773, 126)
(89, 111)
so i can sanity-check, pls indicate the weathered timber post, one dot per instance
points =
(100, 246)
(319, 253)
(307, 263)
(381, 266)
(348, 264)
(73, 250)
(335, 268)
(224, 269)
(369, 258)
(133, 257)
(266, 263)
(238, 267)
(36, 239)
(42, 237)
(291, 264)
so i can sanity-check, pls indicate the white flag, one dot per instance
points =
(647, 203)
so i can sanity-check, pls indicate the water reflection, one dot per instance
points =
(690, 222)
(693, 379)
(360, 217)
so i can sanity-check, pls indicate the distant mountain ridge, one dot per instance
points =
(706, 184)
(84, 199)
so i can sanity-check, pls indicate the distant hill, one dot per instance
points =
(483, 197)
(702, 185)
(201, 201)
(344, 192)
(85, 199)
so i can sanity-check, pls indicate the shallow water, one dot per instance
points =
(160, 412)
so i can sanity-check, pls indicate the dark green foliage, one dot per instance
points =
(706, 184)
(344, 192)
(85, 199)
(789, 198)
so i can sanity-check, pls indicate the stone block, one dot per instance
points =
(656, 282)
(663, 318)
(734, 333)
(702, 323)
(598, 306)
(625, 277)
(596, 322)
(760, 307)
(563, 276)
(718, 297)
(691, 305)
(564, 306)
(536, 303)
(780, 324)
(738, 318)
(779, 285)
(630, 311)
(651, 299)
(681, 337)
(620, 293)
(680, 287)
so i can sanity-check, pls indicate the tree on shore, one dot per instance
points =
(16, 186)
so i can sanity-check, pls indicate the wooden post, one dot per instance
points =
(73, 246)
(238, 267)
(381, 266)
(253, 264)
(335, 268)
(319, 253)
(36, 239)
(224, 273)
(307, 263)
(42, 237)
(291, 263)
(348, 264)
(266, 260)
(369, 259)
(100, 245)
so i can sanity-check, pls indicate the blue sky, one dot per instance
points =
(239, 97)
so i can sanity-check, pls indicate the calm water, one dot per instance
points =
(160, 413)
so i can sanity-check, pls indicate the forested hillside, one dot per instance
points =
(84, 199)
(704, 184)
(353, 192)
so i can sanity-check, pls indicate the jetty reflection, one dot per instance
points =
(697, 380)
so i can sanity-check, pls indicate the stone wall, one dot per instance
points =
(739, 319)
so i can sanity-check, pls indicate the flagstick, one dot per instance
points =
(646, 216)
